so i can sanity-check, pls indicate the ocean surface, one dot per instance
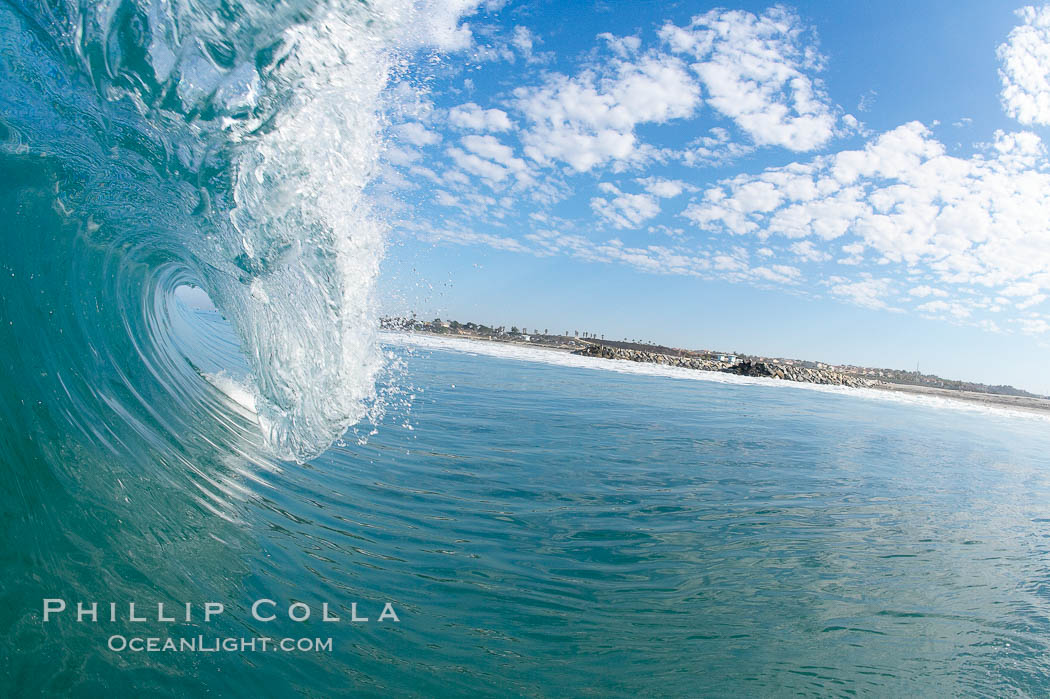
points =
(544, 529)
(196, 407)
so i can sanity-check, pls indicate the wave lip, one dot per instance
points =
(228, 150)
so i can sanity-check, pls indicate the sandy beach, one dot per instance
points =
(1021, 403)
(1025, 403)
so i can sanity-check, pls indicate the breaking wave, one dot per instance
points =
(171, 168)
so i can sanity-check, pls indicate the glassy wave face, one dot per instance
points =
(147, 146)
(186, 278)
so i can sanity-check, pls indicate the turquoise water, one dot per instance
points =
(195, 408)
(547, 530)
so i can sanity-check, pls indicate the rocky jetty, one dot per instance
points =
(631, 355)
(791, 372)
(785, 372)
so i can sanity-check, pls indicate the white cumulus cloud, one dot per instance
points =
(757, 71)
(869, 293)
(664, 188)
(981, 220)
(590, 119)
(415, 133)
(471, 116)
(624, 210)
(921, 292)
(1025, 67)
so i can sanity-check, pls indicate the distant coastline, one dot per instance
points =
(744, 365)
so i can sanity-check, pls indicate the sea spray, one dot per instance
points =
(303, 237)
(228, 147)
(185, 286)
(303, 241)
(153, 153)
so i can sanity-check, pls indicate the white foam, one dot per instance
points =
(555, 357)
(295, 265)
(238, 392)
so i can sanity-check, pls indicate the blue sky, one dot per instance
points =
(847, 182)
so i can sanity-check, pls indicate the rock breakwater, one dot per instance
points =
(606, 352)
(773, 370)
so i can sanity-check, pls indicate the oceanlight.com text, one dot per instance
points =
(202, 644)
